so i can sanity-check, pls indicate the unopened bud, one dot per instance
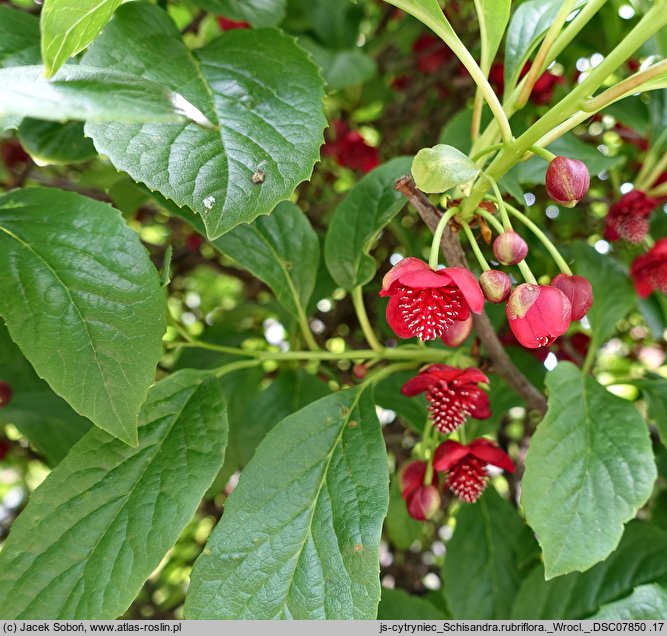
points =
(423, 503)
(567, 181)
(579, 293)
(509, 248)
(496, 285)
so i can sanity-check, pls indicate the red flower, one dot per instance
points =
(466, 466)
(538, 314)
(453, 395)
(13, 155)
(422, 500)
(229, 25)
(424, 302)
(628, 217)
(350, 149)
(431, 53)
(649, 271)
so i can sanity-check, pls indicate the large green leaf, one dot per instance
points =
(301, 532)
(259, 13)
(19, 38)
(613, 293)
(91, 94)
(528, 26)
(48, 422)
(402, 530)
(481, 574)
(52, 143)
(654, 392)
(340, 69)
(259, 87)
(647, 602)
(399, 605)
(493, 16)
(105, 517)
(589, 468)
(69, 26)
(639, 559)
(282, 250)
(364, 211)
(83, 302)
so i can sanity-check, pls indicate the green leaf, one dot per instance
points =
(528, 26)
(364, 211)
(341, 69)
(91, 94)
(402, 530)
(481, 574)
(647, 602)
(69, 26)
(428, 12)
(639, 559)
(83, 302)
(399, 605)
(105, 517)
(589, 468)
(282, 250)
(334, 24)
(441, 168)
(52, 143)
(19, 38)
(48, 422)
(259, 87)
(493, 17)
(411, 409)
(613, 293)
(304, 521)
(654, 392)
(259, 13)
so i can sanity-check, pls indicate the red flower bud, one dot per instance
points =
(458, 333)
(5, 394)
(538, 314)
(423, 502)
(509, 248)
(229, 25)
(360, 371)
(578, 291)
(496, 285)
(412, 476)
(567, 181)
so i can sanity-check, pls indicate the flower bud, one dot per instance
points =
(360, 370)
(5, 394)
(509, 248)
(578, 291)
(412, 477)
(457, 333)
(496, 285)
(423, 502)
(567, 181)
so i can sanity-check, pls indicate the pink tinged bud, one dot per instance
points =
(567, 181)
(423, 502)
(578, 291)
(538, 314)
(509, 248)
(412, 476)
(5, 394)
(458, 333)
(496, 285)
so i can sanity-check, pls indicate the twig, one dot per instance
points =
(451, 246)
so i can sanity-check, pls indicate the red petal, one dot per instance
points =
(418, 384)
(404, 266)
(444, 372)
(425, 279)
(643, 287)
(470, 289)
(457, 333)
(472, 375)
(396, 319)
(479, 404)
(448, 454)
(488, 452)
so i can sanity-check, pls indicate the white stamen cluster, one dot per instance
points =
(428, 313)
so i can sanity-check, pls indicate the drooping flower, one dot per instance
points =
(510, 248)
(567, 181)
(538, 314)
(350, 149)
(424, 302)
(452, 393)
(496, 285)
(5, 394)
(628, 218)
(578, 291)
(466, 466)
(649, 271)
(229, 25)
(422, 499)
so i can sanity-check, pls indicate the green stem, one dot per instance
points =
(385, 372)
(362, 317)
(501, 205)
(491, 219)
(307, 334)
(486, 151)
(544, 154)
(660, 191)
(653, 174)
(475, 248)
(544, 239)
(528, 276)
(235, 366)
(590, 356)
(462, 435)
(437, 237)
